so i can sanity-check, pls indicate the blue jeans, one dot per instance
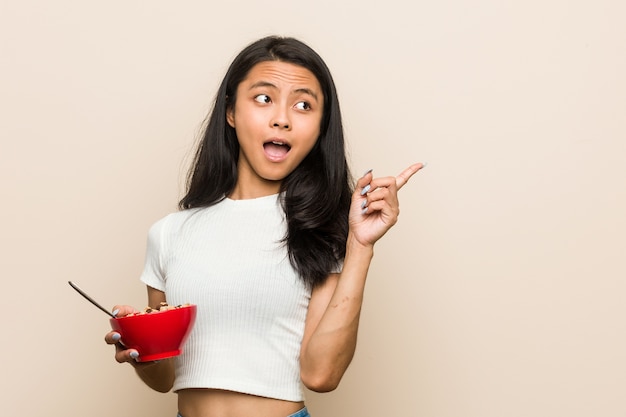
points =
(301, 413)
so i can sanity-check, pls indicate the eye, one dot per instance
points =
(303, 105)
(262, 98)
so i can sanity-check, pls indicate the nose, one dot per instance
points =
(280, 119)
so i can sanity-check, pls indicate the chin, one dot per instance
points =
(275, 175)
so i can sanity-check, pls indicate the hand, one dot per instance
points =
(114, 338)
(375, 208)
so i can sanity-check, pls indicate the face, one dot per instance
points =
(277, 117)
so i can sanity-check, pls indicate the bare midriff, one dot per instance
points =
(221, 403)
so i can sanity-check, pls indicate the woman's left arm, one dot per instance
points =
(332, 322)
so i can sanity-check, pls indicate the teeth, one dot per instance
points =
(278, 143)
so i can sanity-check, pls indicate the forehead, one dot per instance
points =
(283, 75)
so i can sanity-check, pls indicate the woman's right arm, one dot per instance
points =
(158, 375)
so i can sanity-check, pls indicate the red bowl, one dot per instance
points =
(156, 335)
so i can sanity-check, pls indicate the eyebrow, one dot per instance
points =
(297, 90)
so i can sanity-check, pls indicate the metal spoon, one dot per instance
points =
(91, 300)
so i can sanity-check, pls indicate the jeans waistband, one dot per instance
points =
(301, 413)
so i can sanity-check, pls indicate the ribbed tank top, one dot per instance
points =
(229, 260)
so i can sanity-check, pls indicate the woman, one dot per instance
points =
(272, 243)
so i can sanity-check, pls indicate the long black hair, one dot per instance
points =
(317, 193)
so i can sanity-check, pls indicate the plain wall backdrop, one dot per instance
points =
(499, 293)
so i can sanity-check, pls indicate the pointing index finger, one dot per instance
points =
(405, 175)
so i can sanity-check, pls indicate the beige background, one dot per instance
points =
(499, 293)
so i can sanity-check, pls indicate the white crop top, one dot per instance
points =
(228, 259)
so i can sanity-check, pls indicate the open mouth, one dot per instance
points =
(276, 150)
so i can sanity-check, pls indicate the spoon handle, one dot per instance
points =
(88, 298)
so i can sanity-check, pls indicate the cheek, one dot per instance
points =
(312, 140)
(312, 127)
(315, 134)
(247, 126)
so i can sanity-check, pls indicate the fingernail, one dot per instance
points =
(367, 172)
(364, 210)
(363, 204)
(365, 189)
(116, 337)
(114, 312)
(424, 164)
(134, 354)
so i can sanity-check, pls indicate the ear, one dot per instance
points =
(230, 117)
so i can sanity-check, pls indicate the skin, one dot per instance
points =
(278, 102)
(283, 102)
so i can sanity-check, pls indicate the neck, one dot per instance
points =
(245, 191)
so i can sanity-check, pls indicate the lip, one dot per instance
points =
(278, 140)
(275, 156)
